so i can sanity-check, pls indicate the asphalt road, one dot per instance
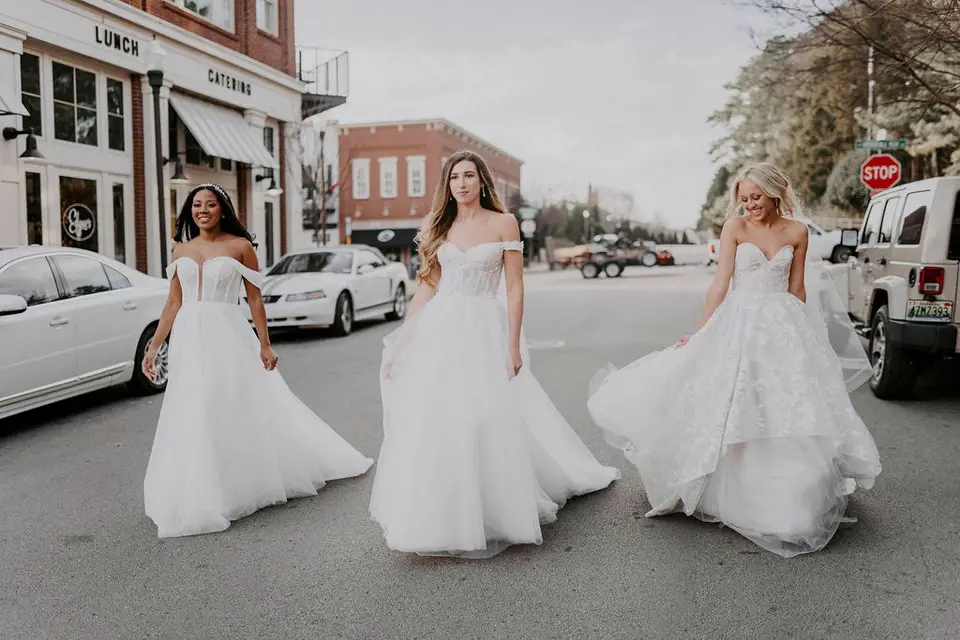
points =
(79, 559)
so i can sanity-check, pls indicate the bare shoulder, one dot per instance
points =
(796, 231)
(241, 247)
(732, 227)
(507, 226)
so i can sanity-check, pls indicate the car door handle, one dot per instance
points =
(129, 306)
(59, 321)
(883, 261)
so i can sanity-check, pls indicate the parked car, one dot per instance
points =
(73, 321)
(825, 244)
(902, 281)
(333, 287)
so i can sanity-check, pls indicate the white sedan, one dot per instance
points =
(72, 321)
(333, 287)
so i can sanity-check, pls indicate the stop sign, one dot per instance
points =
(880, 172)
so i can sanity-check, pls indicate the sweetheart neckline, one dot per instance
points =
(482, 244)
(757, 247)
(203, 262)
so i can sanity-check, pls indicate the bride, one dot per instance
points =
(748, 422)
(475, 456)
(232, 438)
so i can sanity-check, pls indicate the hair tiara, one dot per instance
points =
(214, 187)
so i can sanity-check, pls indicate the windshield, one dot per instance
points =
(319, 262)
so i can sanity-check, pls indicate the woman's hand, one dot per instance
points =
(516, 360)
(149, 360)
(682, 341)
(268, 358)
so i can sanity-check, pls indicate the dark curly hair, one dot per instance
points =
(187, 229)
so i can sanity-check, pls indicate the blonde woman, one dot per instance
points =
(748, 422)
(475, 456)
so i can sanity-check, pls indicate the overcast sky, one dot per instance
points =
(616, 94)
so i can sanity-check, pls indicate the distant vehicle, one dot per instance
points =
(333, 287)
(71, 322)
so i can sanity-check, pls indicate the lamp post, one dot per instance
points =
(586, 226)
(155, 77)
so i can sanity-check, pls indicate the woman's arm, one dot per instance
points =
(257, 312)
(426, 289)
(167, 316)
(798, 268)
(513, 273)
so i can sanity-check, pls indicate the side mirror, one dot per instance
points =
(11, 305)
(364, 268)
(850, 238)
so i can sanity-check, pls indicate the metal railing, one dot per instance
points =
(325, 72)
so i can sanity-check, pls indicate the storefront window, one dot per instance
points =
(268, 143)
(78, 213)
(119, 226)
(116, 132)
(34, 209)
(74, 105)
(267, 15)
(195, 153)
(30, 92)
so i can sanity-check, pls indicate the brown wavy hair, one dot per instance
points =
(443, 211)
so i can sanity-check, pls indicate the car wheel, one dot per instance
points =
(894, 372)
(141, 384)
(343, 322)
(649, 259)
(399, 304)
(590, 270)
(840, 255)
(613, 269)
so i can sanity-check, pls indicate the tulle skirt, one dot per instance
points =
(232, 438)
(750, 424)
(473, 459)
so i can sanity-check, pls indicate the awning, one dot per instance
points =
(221, 132)
(384, 238)
(10, 104)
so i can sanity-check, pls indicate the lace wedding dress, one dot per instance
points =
(232, 438)
(749, 424)
(473, 459)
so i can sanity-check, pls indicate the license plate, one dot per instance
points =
(926, 311)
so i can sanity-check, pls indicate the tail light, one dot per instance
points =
(931, 281)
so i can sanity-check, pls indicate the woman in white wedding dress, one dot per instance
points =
(232, 438)
(475, 456)
(748, 422)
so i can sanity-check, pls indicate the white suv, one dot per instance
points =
(902, 281)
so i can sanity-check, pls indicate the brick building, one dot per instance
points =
(231, 103)
(389, 171)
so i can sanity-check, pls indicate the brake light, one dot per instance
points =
(931, 280)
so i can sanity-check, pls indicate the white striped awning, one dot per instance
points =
(223, 133)
(10, 104)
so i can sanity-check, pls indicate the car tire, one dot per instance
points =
(613, 269)
(343, 315)
(590, 270)
(399, 304)
(894, 371)
(840, 255)
(649, 259)
(141, 384)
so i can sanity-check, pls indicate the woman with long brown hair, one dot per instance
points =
(475, 456)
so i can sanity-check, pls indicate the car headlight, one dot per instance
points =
(300, 297)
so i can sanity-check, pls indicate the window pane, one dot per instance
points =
(65, 122)
(63, 83)
(914, 214)
(86, 126)
(226, 164)
(30, 279)
(953, 249)
(193, 151)
(117, 279)
(889, 212)
(268, 221)
(79, 217)
(268, 139)
(82, 276)
(114, 97)
(34, 209)
(86, 89)
(33, 122)
(115, 134)
(30, 74)
(119, 226)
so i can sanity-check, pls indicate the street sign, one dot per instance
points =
(881, 144)
(528, 227)
(880, 172)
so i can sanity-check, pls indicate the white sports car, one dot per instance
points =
(333, 287)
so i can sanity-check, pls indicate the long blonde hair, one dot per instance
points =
(443, 212)
(773, 182)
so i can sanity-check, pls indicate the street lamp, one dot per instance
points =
(272, 188)
(586, 226)
(155, 76)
